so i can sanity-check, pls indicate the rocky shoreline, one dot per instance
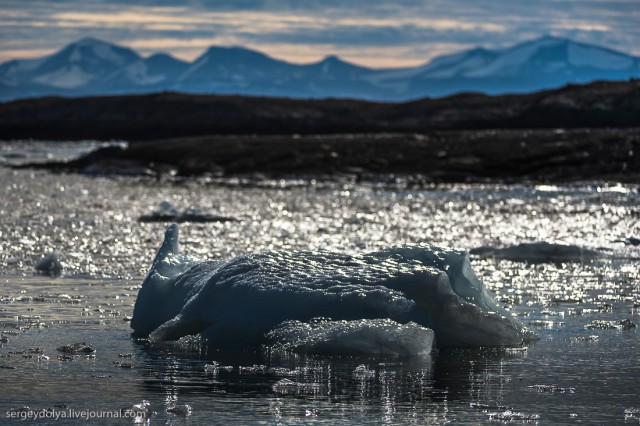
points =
(576, 133)
(508, 156)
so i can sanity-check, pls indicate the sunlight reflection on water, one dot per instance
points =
(106, 252)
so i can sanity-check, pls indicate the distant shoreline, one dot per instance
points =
(577, 133)
(489, 156)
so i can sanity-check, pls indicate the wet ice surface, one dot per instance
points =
(579, 371)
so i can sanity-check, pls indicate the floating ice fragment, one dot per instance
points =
(624, 324)
(76, 348)
(510, 416)
(167, 212)
(545, 323)
(289, 386)
(211, 368)
(485, 406)
(66, 358)
(516, 350)
(253, 369)
(551, 389)
(632, 414)
(180, 410)
(383, 295)
(577, 339)
(50, 265)
(540, 252)
(633, 241)
(362, 372)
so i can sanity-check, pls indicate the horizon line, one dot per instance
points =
(412, 64)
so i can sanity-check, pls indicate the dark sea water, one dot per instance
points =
(579, 372)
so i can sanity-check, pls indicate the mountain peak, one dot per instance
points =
(94, 50)
(231, 50)
(164, 58)
(90, 41)
(332, 58)
(549, 37)
(94, 66)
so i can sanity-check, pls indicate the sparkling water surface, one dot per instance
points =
(580, 371)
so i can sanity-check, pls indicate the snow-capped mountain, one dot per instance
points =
(92, 67)
(539, 64)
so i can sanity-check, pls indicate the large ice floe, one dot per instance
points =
(394, 301)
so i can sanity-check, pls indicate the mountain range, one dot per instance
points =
(94, 67)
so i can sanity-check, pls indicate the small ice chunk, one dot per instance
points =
(632, 414)
(624, 324)
(76, 348)
(510, 416)
(167, 212)
(540, 252)
(578, 339)
(180, 410)
(253, 369)
(290, 386)
(362, 372)
(550, 389)
(50, 265)
(633, 241)
(211, 368)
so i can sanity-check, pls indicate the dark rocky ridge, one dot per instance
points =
(464, 138)
(441, 156)
(171, 115)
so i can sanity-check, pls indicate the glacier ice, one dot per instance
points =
(237, 302)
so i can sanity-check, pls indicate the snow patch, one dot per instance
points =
(512, 59)
(137, 72)
(65, 78)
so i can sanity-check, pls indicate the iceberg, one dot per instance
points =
(247, 301)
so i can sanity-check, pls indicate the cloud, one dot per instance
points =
(407, 31)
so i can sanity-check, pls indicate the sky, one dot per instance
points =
(374, 33)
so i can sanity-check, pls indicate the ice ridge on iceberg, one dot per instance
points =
(365, 336)
(237, 302)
